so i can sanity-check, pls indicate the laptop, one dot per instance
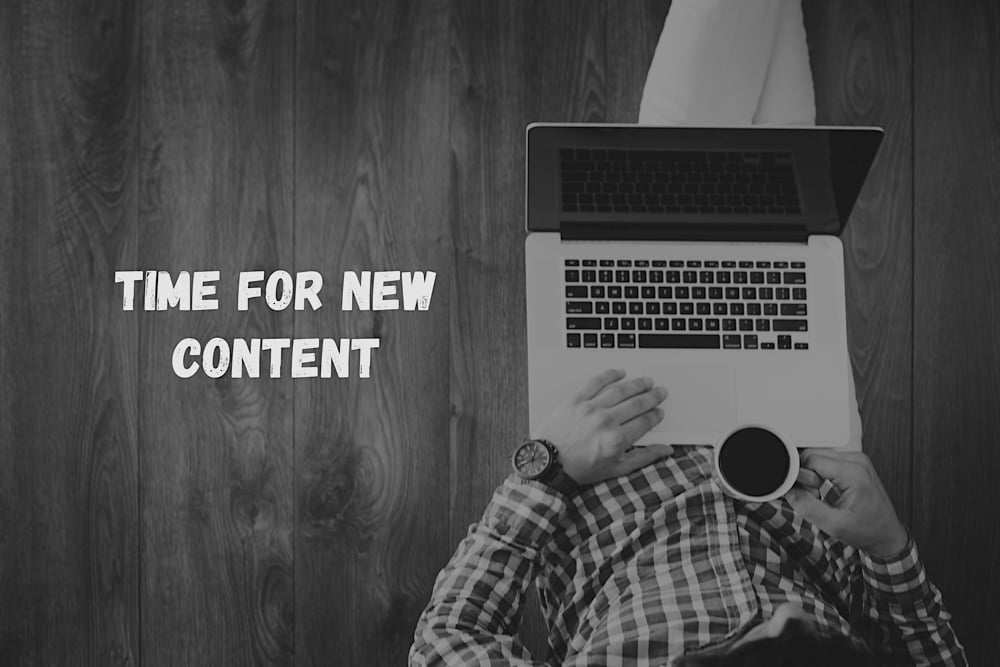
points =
(708, 259)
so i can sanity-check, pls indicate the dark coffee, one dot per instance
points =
(754, 461)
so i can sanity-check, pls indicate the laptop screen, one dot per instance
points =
(746, 183)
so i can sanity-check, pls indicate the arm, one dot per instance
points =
(906, 621)
(475, 608)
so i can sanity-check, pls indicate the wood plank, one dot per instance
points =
(860, 55)
(513, 63)
(68, 485)
(633, 30)
(372, 473)
(216, 454)
(956, 311)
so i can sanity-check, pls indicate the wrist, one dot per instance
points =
(537, 460)
(896, 541)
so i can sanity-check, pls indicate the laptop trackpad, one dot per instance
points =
(700, 399)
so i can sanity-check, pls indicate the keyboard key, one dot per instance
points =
(589, 275)
(678, 324)
(706, 277)
(774, 277)
(628, 324)
(697, 292)
(664, 292)
(781, 265)
(781, 293)
(607, 262)
(690, 276)
(638, 276)
(799, 293)
(687, 308)
(576, 291)
(624, 262)
(712, 324)
(661, 324)
(607, 340)
(679, 341)
(653, 308)
(763, 325)
(622, 276)
(714, 292)
(765, 293)
(590, 340)
(770, 309)
(740, 277)
(642, 262)
(645, 324)
(682, 293)
(695, 324)
(731, 342)
(648, 292)
(711, 264)
(802, 346)
(790, 325)
(656, 276)
(694, 263)
(723, 277)
(749, 293)
(746, 324)
(573, 340)
(795, 278)
(635, 308)
(703, 308)
(764, 265)
(572, 275)
(732, 293)
(670, 308)
(798, 309)
(750, 341)
(753, 309)
(729, 265)
(579, 308)
(582, 323)
(736, 309)
(631, 292)
(602, 308)
(798, 265)
(720, 309)
(729, 324)
(605, 275)
(756, 277)
(611, 323)
(597, 292)
(784, 342)
(673, 276)
(767, 346)
(571, 262)
(626, 340)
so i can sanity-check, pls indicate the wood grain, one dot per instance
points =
(68, 516)
(860, 55)
(512, 63)
(957, 312)
(216, 454)
(372, 475)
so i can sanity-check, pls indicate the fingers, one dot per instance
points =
(597, 383)
(638, 426)
(808, 478)
(814, 510)
(614, 393)
(840, 467)
(642, 456)
(638, 404)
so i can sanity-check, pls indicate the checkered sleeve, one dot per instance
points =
(475, 609)
(908, 622)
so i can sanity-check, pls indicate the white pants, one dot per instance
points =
(734, 62)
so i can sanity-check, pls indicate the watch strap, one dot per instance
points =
(555, 477)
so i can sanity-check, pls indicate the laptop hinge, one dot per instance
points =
(570, 230)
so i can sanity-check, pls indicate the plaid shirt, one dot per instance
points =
(647, 567)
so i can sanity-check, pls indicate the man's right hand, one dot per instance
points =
(595, 429)
(862, 515)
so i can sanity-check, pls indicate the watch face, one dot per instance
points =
(531, 459)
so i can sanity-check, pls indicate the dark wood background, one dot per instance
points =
(147, 519)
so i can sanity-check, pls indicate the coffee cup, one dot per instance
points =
(754, 462)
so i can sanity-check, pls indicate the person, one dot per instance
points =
(637, 554)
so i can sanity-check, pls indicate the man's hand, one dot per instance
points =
(862, 515)
(595, 428)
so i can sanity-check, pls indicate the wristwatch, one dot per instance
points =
(538, 460)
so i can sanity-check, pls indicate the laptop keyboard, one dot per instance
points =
(649, 181)
(686, 304)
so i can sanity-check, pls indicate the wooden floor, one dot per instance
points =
(148, 519)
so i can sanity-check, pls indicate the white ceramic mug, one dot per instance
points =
(749, 461)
